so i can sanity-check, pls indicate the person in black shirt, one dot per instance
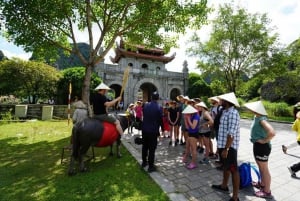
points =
(152, 121)
(101, 103)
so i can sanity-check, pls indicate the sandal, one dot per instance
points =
(257, 185)
(191, 166)
(220, 188)
(263, 194)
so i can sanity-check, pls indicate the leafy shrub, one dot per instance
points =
(279, 109)
(6, 117)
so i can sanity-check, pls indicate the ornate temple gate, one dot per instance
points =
(147, 74)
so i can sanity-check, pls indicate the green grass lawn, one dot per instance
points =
(30, 168)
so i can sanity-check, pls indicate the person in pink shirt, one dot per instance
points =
(138, 113)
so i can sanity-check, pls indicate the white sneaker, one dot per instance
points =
(159, 143)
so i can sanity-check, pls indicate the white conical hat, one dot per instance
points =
(202, 104)
(189, 110)
(102, 86)
(257, 107)
(186, 98)
(230, 97)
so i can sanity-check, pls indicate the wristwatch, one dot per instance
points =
(227, 148)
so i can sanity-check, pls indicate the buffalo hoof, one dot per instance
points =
(71, 172)
(84, 170)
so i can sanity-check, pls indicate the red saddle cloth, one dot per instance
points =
(109, 136)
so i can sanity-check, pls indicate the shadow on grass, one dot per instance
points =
(32, 171)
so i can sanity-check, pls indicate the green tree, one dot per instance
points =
(44, 26)
(238, 44)
(75, 76)
(198, 88)
(28, 79)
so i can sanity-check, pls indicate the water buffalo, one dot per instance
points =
(93, 132)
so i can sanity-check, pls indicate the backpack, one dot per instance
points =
(245, 170)
(217, 118)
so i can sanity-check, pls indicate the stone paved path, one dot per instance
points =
(194, 185)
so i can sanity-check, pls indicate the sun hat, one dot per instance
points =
(230, 97)
(179, 97)
(102, 86)
(256, 107)
(131, 104)
(186, 98)
(189, 110)
(214, 98)
(79, 104)
(202, 104)
(197, 100)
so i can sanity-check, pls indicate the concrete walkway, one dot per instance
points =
(194, 185)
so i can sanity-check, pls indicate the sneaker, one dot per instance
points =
(220, 188)
(204, 161)
(159, 143)
(144, 164)
(181, 142)
(284, 149)
(263, 194)
(176, 142)
(231, 199)
(191, 166)
(170, 143)
(213, 156)
(201, 150)
(293, 174)
(152, 169)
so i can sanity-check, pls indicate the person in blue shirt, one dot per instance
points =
(151, 124)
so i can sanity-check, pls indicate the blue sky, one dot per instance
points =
(284, 15)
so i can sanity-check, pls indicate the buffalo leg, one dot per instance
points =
(118, 147)
(82, 153)
(71, 170)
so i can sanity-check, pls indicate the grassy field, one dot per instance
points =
(30, 168)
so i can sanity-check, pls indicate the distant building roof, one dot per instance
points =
(142, 52)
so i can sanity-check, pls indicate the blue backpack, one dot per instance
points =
(245, 170)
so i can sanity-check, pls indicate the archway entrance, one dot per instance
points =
(174, 93)
(147, 89)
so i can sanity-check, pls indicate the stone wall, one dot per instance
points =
(34, 111)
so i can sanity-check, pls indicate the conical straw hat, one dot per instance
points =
(102, 86)
(202, 104)
(215, 98)
(230, 97)
(257, 107)
(189, 110)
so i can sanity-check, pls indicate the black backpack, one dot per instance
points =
(218, 117)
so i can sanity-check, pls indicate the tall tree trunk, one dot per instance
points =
(86, 87)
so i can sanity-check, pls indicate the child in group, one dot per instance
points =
(173, 121)
(295, 127)
(131, 117)
(166, 122)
